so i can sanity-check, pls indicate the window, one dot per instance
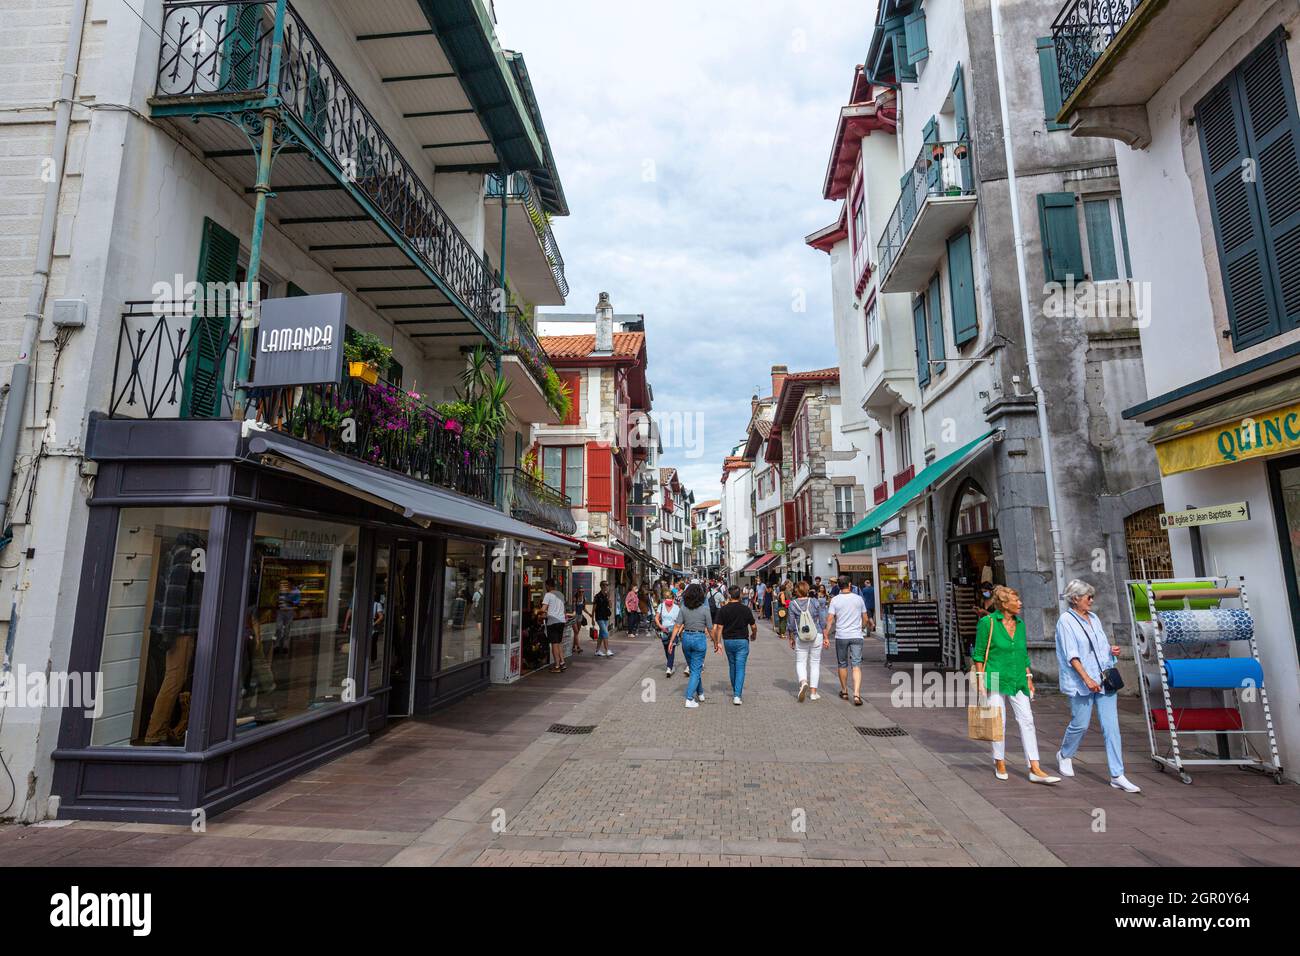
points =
(843, 507)
(151, 627)
(860, 221)
(904, 441)
(296, 647)
(1106, 245)
(562, 470)
(934, 307)
(1051, 80)
(880, 453)
(873, 326)
(464, 599)
(1094, 249)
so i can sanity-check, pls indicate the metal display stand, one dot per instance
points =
(913, 632)
(1166, 659)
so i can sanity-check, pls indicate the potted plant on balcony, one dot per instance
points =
(961, 151)
(557, 395)
(936, 152)
(367, 356)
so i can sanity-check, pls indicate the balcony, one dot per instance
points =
(524, 364)
(533, 260)
(937, 198)
(341, 188)
(175, 364)
(903, 477)
(1112, 57)
(880, 492)
(528, 498)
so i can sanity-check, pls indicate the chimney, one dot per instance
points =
(779, 372)
(604, 326)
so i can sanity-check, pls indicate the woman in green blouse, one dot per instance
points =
(1002, 659)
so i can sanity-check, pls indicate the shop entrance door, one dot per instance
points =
(403, 626)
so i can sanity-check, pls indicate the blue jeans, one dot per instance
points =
(694, 645)
(1081, 717)
(602, 628)
(737, 649)
(668, 654)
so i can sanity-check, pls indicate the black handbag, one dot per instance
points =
(1111, 681)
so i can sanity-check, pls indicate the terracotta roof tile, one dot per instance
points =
(626, 345)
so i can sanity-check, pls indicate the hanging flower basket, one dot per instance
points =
(961, 151)
(368, 372)
(936, 152)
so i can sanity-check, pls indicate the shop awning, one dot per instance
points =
(595, 555)
(759, 563)
(853, 562)
(1258, 424)
(864, 534)
(420, 502)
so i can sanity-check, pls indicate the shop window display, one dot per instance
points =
(152, 627)
(297, 647)
(464, 599)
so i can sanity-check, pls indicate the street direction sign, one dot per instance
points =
(1216, 514)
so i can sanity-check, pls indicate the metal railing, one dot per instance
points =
(1081, 33)
(519, 338)
(940, 169)
(520, 186)
(527, 497)
(221, 53)
(843, 520)
(175, 363)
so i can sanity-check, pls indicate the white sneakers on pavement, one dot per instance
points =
(691, 704)
(814, 695)
(803, 690)
(1065, 765)
(736, 701)
(668, 672)
(1124, 783)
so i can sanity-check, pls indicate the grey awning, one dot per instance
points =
(416, 500)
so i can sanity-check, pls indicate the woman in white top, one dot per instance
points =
(667, 616)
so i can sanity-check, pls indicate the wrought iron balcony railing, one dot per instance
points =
(1081, 33)
(173, 362)
(220, 53)
(519, 338)
(940, 169)
(519, 186)
(843, 520)
(527, 497)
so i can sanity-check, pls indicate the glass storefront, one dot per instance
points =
(378, 612)
(297, 648)
(464, 599)
(151, 627)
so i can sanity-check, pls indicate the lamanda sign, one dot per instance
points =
(300, 341)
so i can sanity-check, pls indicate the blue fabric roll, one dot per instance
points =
(1225, 673)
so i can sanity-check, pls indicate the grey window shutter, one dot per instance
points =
(1059, 223)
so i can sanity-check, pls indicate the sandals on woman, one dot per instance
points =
(844, 695)
(857, 701)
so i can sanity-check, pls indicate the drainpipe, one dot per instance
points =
(248, 322)
(1026, 313)
(501, 319)
(19, 379)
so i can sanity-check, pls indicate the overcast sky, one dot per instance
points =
(692, 139)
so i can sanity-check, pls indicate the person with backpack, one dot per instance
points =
(735, 627)
(808, 637)
(601, 611)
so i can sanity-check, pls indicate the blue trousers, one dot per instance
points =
(695, 646)
(668, 654)
(737, 649)
(1081, 717)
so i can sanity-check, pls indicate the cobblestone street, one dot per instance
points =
(769, 782)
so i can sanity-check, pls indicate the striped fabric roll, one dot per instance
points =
(1199, 627)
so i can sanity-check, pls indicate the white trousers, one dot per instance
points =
(808, 661)
(1024, 717)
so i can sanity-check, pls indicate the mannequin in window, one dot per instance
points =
(174, 627)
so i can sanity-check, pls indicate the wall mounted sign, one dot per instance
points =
(300, 341)
(1195, 517)
(1257, 436)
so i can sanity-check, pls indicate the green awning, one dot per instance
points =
(858, 538)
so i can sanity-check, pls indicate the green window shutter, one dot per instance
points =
(210, 330)
(1062, 250)
(961, 288)
(963, 126)
(934, 170)
(907, 198)
(1101, 240)
(1253, 313)
(914, 31)
(904, 70)
(1051, 77)
(922, 346)
(294, 291)
(240, 68)
(934, 302)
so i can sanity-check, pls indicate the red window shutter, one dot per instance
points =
(572, 384)
(791, 522)
(600, 472)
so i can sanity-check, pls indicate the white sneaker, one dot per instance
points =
(803, 690)
(1124, 783)
(688, 670)
(1065, 765)
(736, 701)
(691, 703)
(699, 696)
(600, 653)
(668, 672)
(609, 653)
(814, 696)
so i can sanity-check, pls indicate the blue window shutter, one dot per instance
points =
(205, 359)
(918, 47)
(922, 345)
(240, 69)
(904, 70)
(961, 288)
(1253, 314)
(934, 170)
(934, 302)
(1062, 250)
(963, 126)
(1051, 77)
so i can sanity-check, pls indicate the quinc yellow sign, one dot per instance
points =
(1271, 433)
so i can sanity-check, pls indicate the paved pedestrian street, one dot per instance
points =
(772, 782)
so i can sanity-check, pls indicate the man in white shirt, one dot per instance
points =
(848, 617)
(553, 605)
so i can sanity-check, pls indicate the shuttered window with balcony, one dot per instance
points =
(1249, 137)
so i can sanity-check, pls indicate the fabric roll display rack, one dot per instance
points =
(1177, 627)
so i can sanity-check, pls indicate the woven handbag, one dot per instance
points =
(983, 722)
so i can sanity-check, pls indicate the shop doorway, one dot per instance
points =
(974, 548)
(393, 622)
